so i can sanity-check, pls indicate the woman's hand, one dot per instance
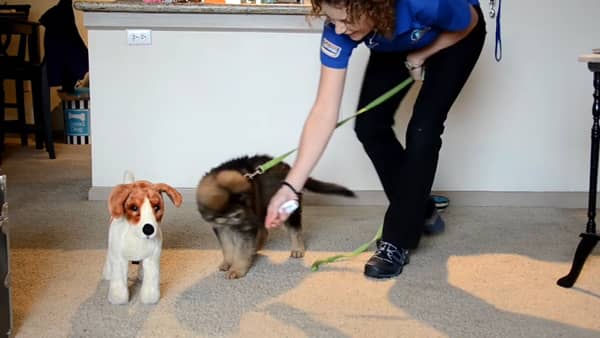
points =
(416, 67)
(274, 218)
(415, 61)
(318, 128)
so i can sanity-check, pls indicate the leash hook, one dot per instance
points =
(492, 9)
(258, 171)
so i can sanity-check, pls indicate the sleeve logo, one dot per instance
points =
(330, 49)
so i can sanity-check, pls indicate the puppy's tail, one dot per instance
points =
(128, 177)
(322, 187)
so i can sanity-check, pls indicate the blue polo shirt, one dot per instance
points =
(418, 24)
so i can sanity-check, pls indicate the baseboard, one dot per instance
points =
(549, 199)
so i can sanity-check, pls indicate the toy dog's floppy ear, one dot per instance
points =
(117, 198)
(173, 194)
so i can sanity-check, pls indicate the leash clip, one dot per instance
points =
(258, 171)
(492, 9)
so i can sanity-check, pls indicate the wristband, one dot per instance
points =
(291, 187)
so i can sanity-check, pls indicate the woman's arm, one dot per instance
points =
(319, 125)
(317, 131)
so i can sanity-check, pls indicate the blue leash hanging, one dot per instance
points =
(497, 16)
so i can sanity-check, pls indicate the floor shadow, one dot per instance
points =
(587, 292)
(549, 237)
(96, 317)
(222, 302)
(301, 320)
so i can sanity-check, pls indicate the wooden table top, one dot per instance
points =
(593, 58)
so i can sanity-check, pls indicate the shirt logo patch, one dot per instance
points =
(330, 49)
(418, 33)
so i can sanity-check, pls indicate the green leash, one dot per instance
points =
(270, 164)
(315, 266)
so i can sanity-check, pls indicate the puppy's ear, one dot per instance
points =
(116, 200)
(173, 194)
(233, 181)
(210, 195)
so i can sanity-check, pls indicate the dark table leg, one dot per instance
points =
(589, 238)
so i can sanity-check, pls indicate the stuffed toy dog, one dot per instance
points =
(136, 209)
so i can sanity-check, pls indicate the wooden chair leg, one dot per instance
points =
(20, 91)
(38, 117)
(45, 100)
(41, 109)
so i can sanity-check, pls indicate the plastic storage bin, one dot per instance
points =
(76, 108)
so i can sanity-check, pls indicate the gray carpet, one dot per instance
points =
(491, 274)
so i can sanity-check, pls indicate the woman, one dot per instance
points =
(437, 42)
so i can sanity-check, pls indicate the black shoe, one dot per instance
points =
(434, 224)
(387, 261)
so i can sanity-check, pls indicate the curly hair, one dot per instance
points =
(380, 12)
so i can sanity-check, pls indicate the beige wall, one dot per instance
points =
(38, 8)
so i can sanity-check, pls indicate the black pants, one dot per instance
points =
(407, 173)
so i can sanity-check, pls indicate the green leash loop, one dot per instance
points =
(384, 97)
(359, 250)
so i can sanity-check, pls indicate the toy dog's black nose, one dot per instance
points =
(148, 229)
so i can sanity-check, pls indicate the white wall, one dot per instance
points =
(173, 110)
(523, 124)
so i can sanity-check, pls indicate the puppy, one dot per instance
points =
(236, 208)
(136, 209)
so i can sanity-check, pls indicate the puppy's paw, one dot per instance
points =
(298, 247)
(149, 295)
(224, 266)
(118, 295)
(297, 253)
(235, 274)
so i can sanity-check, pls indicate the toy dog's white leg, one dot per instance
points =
(150, 292)
(108, 265)
(107, 272)
(118, 293)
